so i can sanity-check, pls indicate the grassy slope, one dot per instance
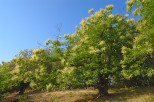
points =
(89, 95)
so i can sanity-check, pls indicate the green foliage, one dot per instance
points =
(5, 77)
(104, 45)
(139, 59)
(37, 67)
(96, 48)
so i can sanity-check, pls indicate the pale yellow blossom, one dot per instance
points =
(32, 84)
(83, 22)
(34, 57)
(101, 43)
(68, 70)
(105, 11)
(101, 10)
(126, 15)
(130, 2)
(92, 16)
(111, 16)
(73, 35)
(63, 42)
(83, 40)
(91, 11)
(92, 50)
(120, 19)
(123, 66)
(47, 42)
(98, 14)
(54, 41)
(62, 61)
(52, 46)
(109, 7)
(68, 35)
(103, 48)
(88, 19)
(16, 70)
(131, 20)
(15, 77)
(67, 64)
(75, 47)
(136, 12)
(97, 50)
(124, 49)
(65, 35)
(145, 1)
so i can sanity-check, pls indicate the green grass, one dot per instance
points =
(88, 95)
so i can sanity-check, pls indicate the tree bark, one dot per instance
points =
(103, 84)
(23, 87)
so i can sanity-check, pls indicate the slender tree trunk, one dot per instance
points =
(103, 84)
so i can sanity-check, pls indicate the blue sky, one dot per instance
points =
(24, 23)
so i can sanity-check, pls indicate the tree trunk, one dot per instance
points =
(103, 84)
(23, 87)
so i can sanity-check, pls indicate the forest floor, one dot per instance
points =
(85, 95)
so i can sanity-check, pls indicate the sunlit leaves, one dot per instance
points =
(139, 60)
(97, 45)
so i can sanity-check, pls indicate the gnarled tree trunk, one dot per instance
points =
(103, 84)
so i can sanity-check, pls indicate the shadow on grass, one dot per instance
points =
(115, 95)
(16, 97)
(119, 95)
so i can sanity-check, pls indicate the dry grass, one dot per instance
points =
(89, 95)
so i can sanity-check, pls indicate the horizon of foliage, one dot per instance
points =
(106, 51)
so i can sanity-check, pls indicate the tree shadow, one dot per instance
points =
(119, 95)
(15, 96)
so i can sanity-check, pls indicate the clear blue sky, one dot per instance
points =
(23, 23)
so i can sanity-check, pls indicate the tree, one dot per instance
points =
(94, 53)
(6, 84)
(56, 52)
(22, 71)
(36, 71)
(139, 60)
